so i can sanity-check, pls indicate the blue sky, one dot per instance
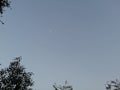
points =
(74, 40)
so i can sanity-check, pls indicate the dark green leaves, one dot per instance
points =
(4, 4)
(15, 77)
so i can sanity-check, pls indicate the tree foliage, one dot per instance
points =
(113, 85)
(4, 4)
(15, 77)
(63, 87)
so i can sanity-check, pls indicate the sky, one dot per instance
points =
(74, 40)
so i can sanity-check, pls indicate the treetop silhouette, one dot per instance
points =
(3, 4)
(15, 77)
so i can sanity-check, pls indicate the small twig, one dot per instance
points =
(2, 22)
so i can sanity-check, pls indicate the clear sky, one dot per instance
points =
(74, 40)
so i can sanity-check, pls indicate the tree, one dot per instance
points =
(4, 4)
(113, 85)
(63, 87)
(15, 77)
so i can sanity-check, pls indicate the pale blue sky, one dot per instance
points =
(74, 40)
